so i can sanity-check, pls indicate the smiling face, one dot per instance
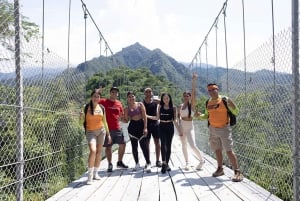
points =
(114, 94)
(148, 93)
(131, 98)
(213, 90)
(95, 96)
(186, 96)
(166, 99)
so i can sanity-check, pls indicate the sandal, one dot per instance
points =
(237, 177)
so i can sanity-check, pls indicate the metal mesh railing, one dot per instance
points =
(263, 134)
(54, 148)
(46, 150)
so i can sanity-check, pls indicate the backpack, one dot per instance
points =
(86, 107)
(232, 117)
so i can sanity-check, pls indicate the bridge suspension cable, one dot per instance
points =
(204, 45)
(205, 38)
(86, 12)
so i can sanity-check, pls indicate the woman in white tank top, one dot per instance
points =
(187, 132)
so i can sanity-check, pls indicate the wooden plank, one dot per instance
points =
(166, 190)
(133, 189)
(113, 189)
(175, 185)
(149, 190)
(116, 178)
(69, 189)
(246, 189)
(192, 179)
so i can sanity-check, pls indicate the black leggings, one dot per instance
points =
(166, 132)
(136, 129)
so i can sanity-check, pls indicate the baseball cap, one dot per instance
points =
(114, 88)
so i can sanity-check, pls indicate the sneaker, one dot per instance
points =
(137, 166)
(96, 176)
(158, 164)
(187, 167)
(90, 178)
(237, 177)
(163, 168)
(148, 167)
(110, 167)
(168, 168)
(200, 165)
(218, 172)
(120, 164)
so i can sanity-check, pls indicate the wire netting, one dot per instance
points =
(44, 149)
(53, 145)
(263, 138)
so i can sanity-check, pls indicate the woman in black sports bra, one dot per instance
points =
(135, 113)
(166, 113)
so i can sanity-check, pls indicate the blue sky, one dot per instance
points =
(177, 27)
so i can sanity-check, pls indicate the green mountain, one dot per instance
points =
(160, 64)
(137, 56)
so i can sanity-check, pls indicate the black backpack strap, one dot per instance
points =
(102, 107)
(230, 114)
(224, 99)
(206, 103)
(86, 107)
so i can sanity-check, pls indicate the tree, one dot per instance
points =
(29, 29)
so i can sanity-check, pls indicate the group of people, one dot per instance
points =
(156, 118)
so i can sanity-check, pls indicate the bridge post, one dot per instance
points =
(295, 99)
(19, 101)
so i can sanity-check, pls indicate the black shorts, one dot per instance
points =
(117, 137)
(153, 130)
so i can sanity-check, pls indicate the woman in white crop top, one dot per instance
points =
(187, 132)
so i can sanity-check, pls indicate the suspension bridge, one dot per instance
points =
(44, 151)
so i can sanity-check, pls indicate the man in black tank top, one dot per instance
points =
(152, 125)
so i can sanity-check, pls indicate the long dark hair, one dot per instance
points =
(95, 91)
(170, 103)
(189, 104)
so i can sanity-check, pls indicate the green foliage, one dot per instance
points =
(136, 80)
(7, 27)
(54, 144)
(261, 143)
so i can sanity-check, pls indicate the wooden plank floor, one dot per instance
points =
(178, 184)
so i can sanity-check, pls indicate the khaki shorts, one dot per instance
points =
(96, 136)
(220, 138)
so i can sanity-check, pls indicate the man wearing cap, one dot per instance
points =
(220, 130)
(114, 112)
(151, 109)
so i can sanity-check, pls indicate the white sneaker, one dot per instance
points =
(137, 166)
(148, 168)
(96, 176)
(90, 178)
(187, 167)
(200, 165)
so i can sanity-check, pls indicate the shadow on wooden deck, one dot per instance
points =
(178, 184)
